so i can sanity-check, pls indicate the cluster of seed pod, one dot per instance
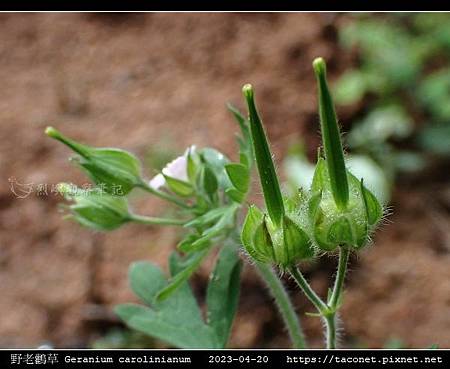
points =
(338, 210)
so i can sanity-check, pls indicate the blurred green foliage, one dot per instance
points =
(402, 83)
(404, 67)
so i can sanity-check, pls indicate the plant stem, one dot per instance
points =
(321, 307)
(284, 305)
(163, 195)
(330, 321)
(335, 298)
(156, 221)
(344, 253)
(327, 311)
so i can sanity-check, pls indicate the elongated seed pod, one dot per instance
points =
(263, 156)
(331, 138)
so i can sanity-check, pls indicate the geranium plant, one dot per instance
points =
(336, 214)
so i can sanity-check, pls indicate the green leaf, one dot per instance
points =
(191, 265)
(216, 161)
(263, 156)
(331, 138)
(235, 195)
(159, 325)
(223, 293)
(207, 218)
(146, 279)
(224, 219)
(179, 187)
(210, 183)
(239, 176)
(245, 142)
(194, 243)
(225, 222)
(244, 160)
(243, 123)
(192, 165)
(172, 320)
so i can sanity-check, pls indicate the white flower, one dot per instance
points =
(177, 169)
(157, 181)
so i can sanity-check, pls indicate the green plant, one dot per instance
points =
(336, 213)
(209, 191)
(403, 67)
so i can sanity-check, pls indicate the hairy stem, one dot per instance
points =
(327, 311)
(344, 253)
(284, 305)
(336, 295)
(330, 321)
(321, 307)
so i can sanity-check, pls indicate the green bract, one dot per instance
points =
(117, 171)
(96, 209)
(333, 226)
(284, 245)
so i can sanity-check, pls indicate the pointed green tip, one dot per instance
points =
(264, 160)
(75, 146)
(332, 145)
(247, 90)
(320, 67)
(52, 132)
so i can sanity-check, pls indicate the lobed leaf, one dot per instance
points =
(172, 320)
(223, 293)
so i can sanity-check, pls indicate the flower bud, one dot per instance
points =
(96, 209)
(333, 226)
(283, 245)
(117, 171)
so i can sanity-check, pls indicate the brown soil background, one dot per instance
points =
(152, 80)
